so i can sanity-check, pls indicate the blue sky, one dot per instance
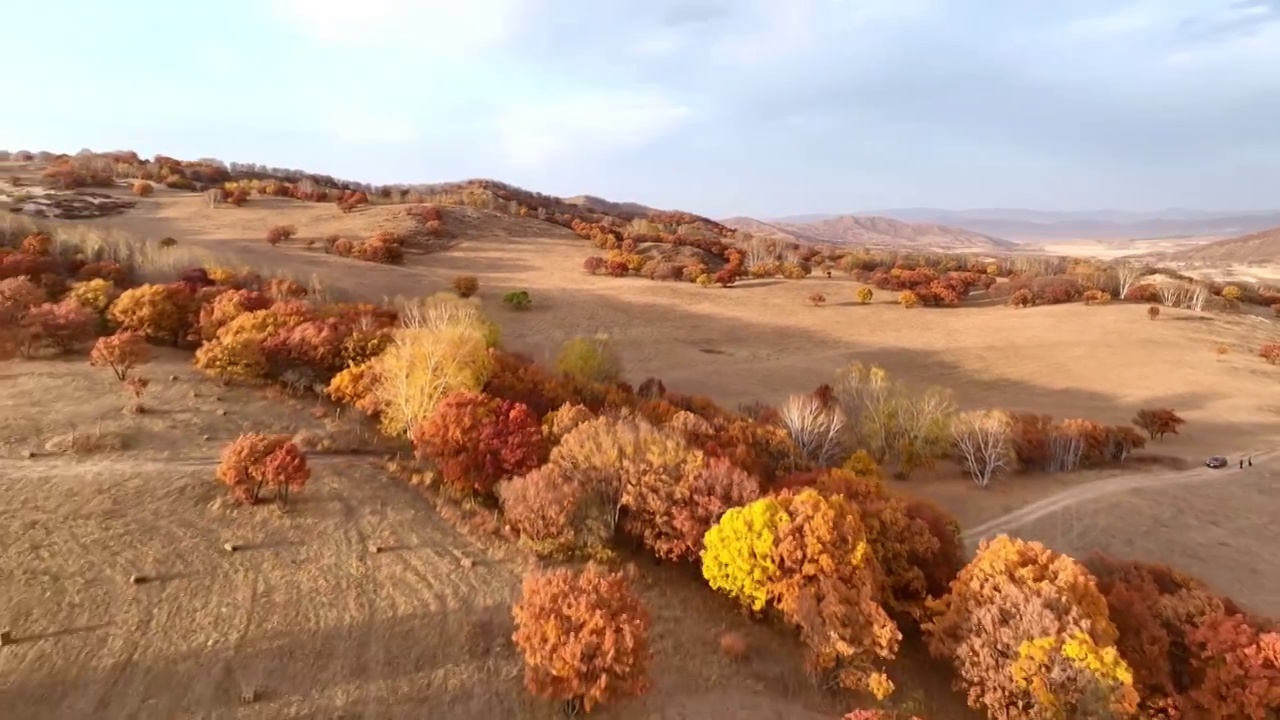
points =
(721, 107)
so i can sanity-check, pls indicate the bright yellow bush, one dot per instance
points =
(423, 365)
(221, 275)
(737, 558)
(1231, 292)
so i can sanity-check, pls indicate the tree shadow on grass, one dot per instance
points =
(456, 662)
(703, 346)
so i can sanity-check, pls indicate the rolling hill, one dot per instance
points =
(1259, 247)
(873, 232)
(1033, 225)
(609, 207)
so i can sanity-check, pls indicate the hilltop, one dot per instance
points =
(1259, 247)
(1036, 225)
(608, 207)
(878, 232)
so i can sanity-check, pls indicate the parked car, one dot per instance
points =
(1217, 461)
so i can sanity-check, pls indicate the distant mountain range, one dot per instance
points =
(1036, 225)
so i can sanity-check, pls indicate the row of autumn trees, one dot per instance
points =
(919, 279)
(238, 183)
(798, 532)
(708, 253)
(910, 429)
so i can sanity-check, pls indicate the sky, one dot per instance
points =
(719, 107)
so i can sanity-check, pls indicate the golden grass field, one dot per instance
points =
(326, 628)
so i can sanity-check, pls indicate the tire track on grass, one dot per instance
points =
(1093, 491)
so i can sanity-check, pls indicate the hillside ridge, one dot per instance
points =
(873, 232)
(1255, 247)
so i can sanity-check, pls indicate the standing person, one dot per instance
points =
(1241, 463)
(1250, 461)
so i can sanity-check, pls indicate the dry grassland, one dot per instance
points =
(322, 626)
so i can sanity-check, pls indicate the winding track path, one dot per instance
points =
(1095, 490)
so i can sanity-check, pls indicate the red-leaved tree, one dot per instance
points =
(476, 440)
(121, 352)
(1158, 422)
(1239, 668)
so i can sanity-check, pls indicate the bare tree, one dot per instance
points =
(1126, 275)
(1170, 294)
(758, 251)
(817, 429)
(1066, 449)
(1197, 296)
(922, 422)
(984, 440)
(868, 400)
(215, 197)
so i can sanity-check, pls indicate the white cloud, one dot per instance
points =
(537, 134)
(432, 26)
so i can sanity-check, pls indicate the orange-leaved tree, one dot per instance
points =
(160, 312)
(915, 543)
(584, 636)
(807, 554)
(827, 584)
(1028, 634)
(672, 492)
(255, 462)
(560, 512)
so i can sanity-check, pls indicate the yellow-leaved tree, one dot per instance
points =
(421, 367)
(737, 558)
